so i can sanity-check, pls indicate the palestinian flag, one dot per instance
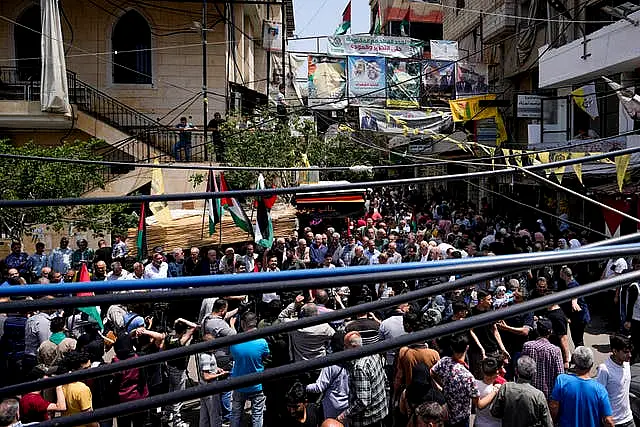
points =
(263, 230)
(90, 311)
(213, 205)
(346, 21)
(141, 240)
(238, 214)
(377, 22)
(404, 24)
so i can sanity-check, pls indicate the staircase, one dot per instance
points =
(132, 136)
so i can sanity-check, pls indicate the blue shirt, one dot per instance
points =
(317, 253)
(583, 403)
(247, 358)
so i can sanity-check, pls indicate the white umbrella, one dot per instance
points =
(54, 92)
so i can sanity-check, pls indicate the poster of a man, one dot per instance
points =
(471, 79)
(437, 79)
(369, 122)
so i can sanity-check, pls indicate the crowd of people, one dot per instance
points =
(526, 370)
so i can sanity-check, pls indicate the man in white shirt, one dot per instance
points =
(615, 375)
(117, 272)
(157, 269)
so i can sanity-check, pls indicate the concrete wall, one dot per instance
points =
(176, 62)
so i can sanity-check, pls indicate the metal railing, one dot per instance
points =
(149, 140)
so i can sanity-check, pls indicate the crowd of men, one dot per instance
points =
(520, 371)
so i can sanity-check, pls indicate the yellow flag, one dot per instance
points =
(559, 171)
(469, 108)
(585, 98)
(544, 158)
(505, 153)
(492, 150)
(160, 209)
(518, 158)
(501, 130)
(577, 168)
(622, 163)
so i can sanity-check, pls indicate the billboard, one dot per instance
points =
(427, 122)
(374, 45)
(471, 78)
(403, 83)
(327, 83)
(438, 78)
(445, 50)
(366, 80)
(272, 36)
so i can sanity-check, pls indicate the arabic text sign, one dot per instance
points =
(366, 45)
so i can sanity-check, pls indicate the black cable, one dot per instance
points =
(295, 190)
(343, 356)
(222, 342)
(278, 328)
(584, 227)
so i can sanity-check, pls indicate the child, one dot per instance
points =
(33, 408)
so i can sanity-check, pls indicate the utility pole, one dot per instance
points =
(205, 99)
(268, 61)
(284, 46)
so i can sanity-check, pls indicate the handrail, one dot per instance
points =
(149, 139)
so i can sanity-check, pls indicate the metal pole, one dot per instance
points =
(284, 47)
(268, 52)
(205, 100)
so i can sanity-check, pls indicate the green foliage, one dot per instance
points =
(274, 145)
(196, 179)
(27, 179)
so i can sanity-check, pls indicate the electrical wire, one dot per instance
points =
(241, 194)
(267, 168)
(504, 196)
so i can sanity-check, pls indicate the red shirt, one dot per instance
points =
(33, 408)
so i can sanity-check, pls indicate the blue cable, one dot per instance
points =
(439, 268)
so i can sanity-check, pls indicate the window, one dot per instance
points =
(27, 43)
(131, 44)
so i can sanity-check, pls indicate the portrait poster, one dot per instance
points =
(327, 83)
(403, 83)
(272, 36)
(366, 80)
(438, 79)
(471, 79)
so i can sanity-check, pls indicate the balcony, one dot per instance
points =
(495, 27)
(609, 50)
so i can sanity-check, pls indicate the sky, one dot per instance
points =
(322, 17)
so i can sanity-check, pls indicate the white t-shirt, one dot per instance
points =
(483, 416)
(617, 379)
(153, 272)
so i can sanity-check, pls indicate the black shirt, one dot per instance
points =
(558, 324)
(514, 342)
(173, 341)
(485, 335)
